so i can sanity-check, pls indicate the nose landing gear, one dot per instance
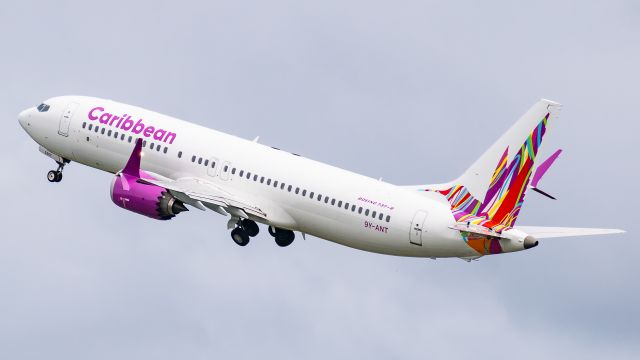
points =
(56, 175)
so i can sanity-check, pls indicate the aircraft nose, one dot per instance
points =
(23, 118)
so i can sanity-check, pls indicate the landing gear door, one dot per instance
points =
(65, 119)
(417, 227)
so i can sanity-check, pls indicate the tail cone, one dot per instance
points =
(530, 242)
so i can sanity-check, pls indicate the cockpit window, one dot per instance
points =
(43, 107)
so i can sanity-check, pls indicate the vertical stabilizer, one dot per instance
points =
(491, 192)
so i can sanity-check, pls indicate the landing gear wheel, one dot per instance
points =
(56, 175)
(284, 238)
(52, 176)
(250, 227)
(240, 236)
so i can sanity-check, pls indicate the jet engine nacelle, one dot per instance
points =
(133, 194)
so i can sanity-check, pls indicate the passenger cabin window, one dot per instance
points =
(206, 162)
(165, 149)
(102, 132)
(84, 124)
(179, 154)
(151, 146)
(275, 183)
(380, 217)
(200, 162)
(241, 173)
(90, 126)
(43, 107)
(109, 133)
(193, 158)
(388, 218)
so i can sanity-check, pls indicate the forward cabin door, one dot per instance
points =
(65, 119)
(417, 227)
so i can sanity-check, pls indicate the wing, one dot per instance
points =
(204, 194)
(541, 232)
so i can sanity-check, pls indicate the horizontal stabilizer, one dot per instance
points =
(542, 232)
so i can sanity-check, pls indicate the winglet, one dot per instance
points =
(133, 165)
(542, 169)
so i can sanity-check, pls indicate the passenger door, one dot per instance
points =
(65, 119)
(417, 227)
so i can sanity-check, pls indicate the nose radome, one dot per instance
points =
(23, 118)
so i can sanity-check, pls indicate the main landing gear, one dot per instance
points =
(244, 230)
(56, 175)
(283, 237)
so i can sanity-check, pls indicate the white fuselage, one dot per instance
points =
(412, 223)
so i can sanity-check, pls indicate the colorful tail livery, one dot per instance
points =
(487, 198)
(491, 192)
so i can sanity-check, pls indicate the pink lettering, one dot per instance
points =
(104, 118)
(159, 134)
(127, 124)
(137, 129)
(171, 136)
(148, 131)
(94, 117)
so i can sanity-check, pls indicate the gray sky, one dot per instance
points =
(384, 88)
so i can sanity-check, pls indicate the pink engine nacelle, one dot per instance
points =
(134, 194)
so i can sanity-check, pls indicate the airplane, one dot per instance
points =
(163, 166)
